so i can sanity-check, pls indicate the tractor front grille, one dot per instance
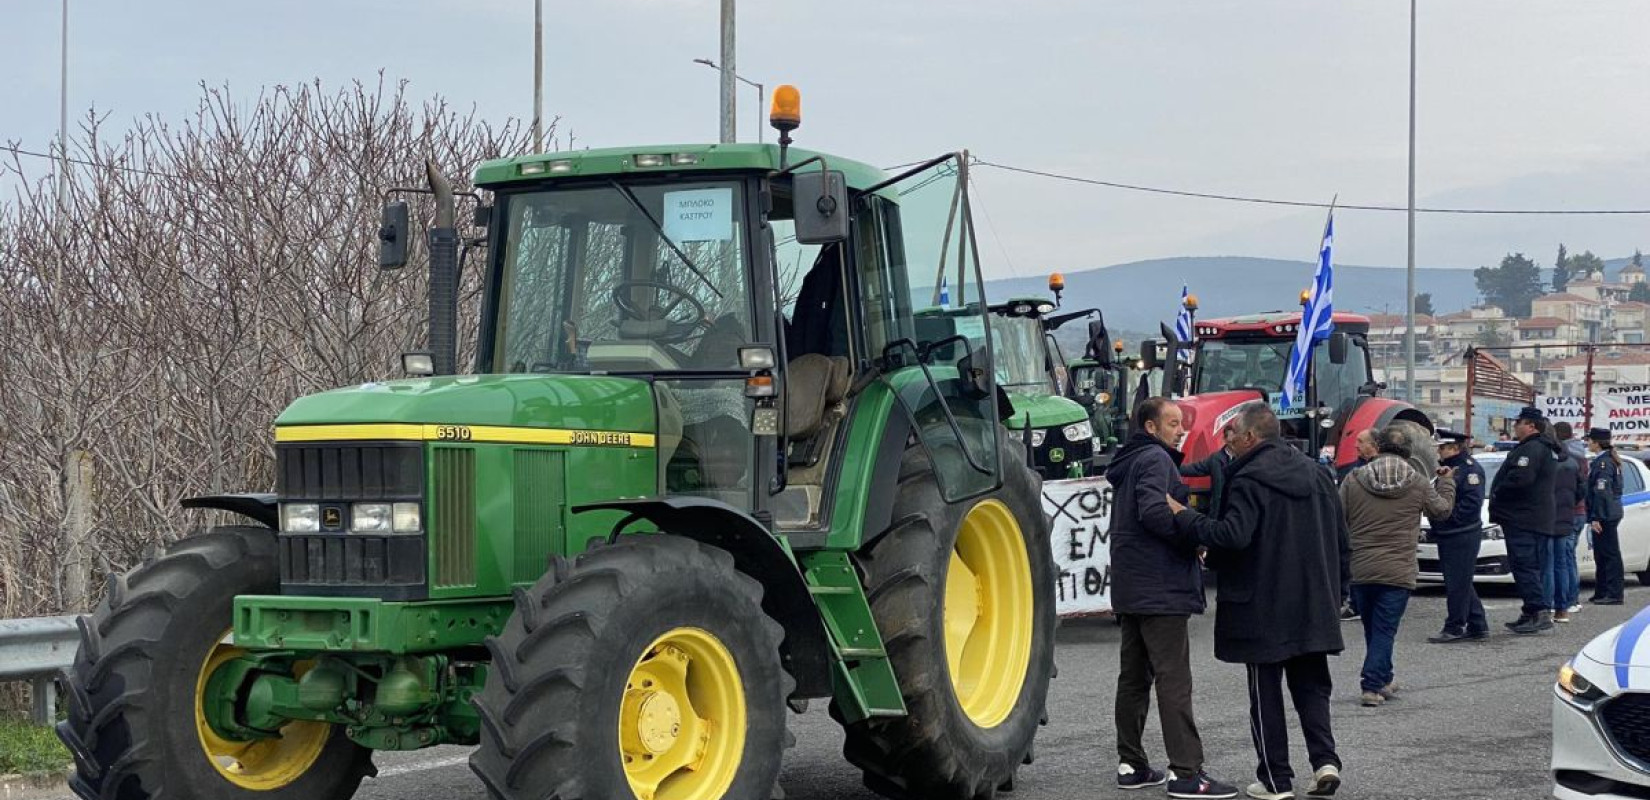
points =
(1627, 721)
(454, 515)
(338, 562)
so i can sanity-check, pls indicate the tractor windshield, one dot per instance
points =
(624, 278)
(1022, 363)
(1224, 365)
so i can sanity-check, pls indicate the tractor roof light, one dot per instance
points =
(1044, 308)
(1306, 296)
(532, 168)
(1056, 282)
(1117, 346)
(785, 113)
(651, 160)
(1191, 302)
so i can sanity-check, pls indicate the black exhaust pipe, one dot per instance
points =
(443, 276)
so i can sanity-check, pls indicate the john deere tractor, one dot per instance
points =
(1034, 372)
(707, 467)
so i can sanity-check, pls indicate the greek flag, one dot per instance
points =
(1316, 320)
(1183, 326)
(945, 293)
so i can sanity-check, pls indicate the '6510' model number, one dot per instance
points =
(453, 433)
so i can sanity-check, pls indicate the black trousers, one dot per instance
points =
(1156, 651)
(1458, 558)
(1524, 551)
(1609, 579)
(1309, 687)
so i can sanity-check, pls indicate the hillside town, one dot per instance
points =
(1546, 349)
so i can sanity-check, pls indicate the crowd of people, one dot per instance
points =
(1298, 549)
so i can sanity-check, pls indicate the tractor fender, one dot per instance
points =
(758, 553)
(1375, 413)
(259, 507)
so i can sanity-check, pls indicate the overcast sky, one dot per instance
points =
(1521, 103)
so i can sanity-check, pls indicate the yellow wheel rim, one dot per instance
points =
(989, 610)
(682, 718)
(263, 764)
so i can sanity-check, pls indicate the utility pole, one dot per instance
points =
(538, 75)
(1409, 324)
(63, 120)
(729, 134)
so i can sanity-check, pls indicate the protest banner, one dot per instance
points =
(1624, 409)
(1081, 513)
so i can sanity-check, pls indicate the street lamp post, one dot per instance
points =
(761, 95)
(1409, 330)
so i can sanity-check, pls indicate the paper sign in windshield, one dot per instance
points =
(699, 215)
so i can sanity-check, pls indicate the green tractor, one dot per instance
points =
(679, 494)
(1049, 414)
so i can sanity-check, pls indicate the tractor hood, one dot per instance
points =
(575, 402)
(1046, 411)
(1203, 415)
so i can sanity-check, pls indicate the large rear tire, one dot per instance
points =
(642, 669)
(135, 724)
(964, 598)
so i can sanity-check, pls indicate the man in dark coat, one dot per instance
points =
(1280, 546)
(1458, 538)
(1157, 584)
(1214, 468)
(1521, 502)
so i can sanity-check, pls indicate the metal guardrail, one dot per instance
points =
(35, 650)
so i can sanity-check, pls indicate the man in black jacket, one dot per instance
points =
(1458, 538)
(1157, 584)
(1521, 502)
(1280, 546)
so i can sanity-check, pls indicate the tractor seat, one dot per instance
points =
(815, 386)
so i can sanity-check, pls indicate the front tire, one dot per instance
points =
(642, 669)
(135, 724)
(963, 595)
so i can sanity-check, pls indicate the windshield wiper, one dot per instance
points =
(630, 197)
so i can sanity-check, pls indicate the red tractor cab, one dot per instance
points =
(1241, 359)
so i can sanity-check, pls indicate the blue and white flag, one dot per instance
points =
(1317, 320)
(945, 293)
(1183, 326)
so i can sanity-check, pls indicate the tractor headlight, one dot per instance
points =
(300, 517)
(1078, 431)
(1037, 436)
(406, 518)
(369, 518)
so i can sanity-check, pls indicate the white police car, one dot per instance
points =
(1601, 717)
(1493, 566)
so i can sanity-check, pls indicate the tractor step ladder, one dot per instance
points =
(862, 675)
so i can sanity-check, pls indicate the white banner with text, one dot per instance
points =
(1081, 514)
(1624, 409)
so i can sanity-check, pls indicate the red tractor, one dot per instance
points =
(1240, 359)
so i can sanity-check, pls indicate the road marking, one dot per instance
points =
(422, 766)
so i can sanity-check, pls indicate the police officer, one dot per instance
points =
(1458, 537)
(1521, 502)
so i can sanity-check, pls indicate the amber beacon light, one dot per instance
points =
(785, 113)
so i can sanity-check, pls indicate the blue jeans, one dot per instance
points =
(1561, 581)
(1382, 608)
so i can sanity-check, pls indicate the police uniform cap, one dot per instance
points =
(1447, 436)
(1532, 414)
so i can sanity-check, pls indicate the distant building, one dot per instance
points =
(1632, 273)
(1587, 313)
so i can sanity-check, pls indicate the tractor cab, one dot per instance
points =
(1035, 374)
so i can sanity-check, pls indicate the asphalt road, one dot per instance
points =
(1473, 720)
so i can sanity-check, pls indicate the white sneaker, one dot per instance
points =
(1325, 781)
(1573, 609)
(1259, 791)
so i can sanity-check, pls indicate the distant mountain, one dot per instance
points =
(1136, 296)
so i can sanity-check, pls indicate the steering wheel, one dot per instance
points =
(677, 330)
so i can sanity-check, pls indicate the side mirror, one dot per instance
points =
(820, 206)
(975, 369)
(1148, 355)
(392, 236)
(1100, 344)
(482, 217)
(1337, 348)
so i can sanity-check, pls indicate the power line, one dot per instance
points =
(20, 151)
(1301, 203)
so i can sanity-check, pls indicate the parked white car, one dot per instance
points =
(1601, 717)
(1493, 566)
